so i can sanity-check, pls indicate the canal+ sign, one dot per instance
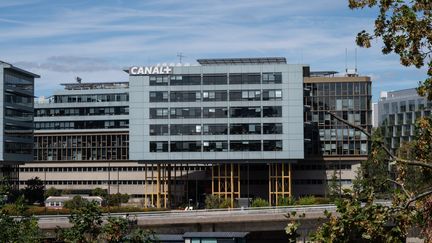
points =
(151, 70)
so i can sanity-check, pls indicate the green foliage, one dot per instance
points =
(142, 236)
(115, 230)
(259, 202)
(86, 224)
(34, 190)
(307, 200)
(405, 28)
(117, 199)
(75, 203)
(370, 222)
(213, 201)
(99, 192)
(334, 187)
(52, 191)
(24, 230)
(375, 170)
(286, 201)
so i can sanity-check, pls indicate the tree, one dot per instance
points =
(334, 187)
(373, 221)
(76, 203)
(24, 230)
(405, 28)
(86, 224)
(52, 191)
(99, 192)
(115, 230)
(34, 190)
(117, 199)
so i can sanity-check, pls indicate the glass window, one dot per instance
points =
(245, 145)
(185, 129)
(215, 129)
(245, 128)
(218, 95)
(158, 130)
(245, 78)
(272, 111)
(243, 95)
(215, 112)
(185, 146)
(239, 112)
(272, 78)
(272, 128)
(185, 112)
(185, 96)
(272, 94)
(158, 113)
(215, 79)
(272, 145)
(158, 96)
(160, 146)
(215, 146)
(158, 80)
(192, 79)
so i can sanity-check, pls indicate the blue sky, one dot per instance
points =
(96, 39)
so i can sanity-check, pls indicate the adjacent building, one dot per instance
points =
(397, 113)
(16, 118)
(333, 148)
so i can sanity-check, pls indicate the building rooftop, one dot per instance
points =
(231, 61)
(8, 65)
(323, 73)
(95, 85)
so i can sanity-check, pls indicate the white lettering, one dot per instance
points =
(164, 69)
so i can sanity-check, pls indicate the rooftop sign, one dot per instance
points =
(150, 70)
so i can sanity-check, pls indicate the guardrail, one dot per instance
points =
(215, 212)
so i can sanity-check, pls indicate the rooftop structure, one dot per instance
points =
(242, 61)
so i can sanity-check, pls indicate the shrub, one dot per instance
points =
(307, 200)
(286, 201)
(213, 201)
(322, 200)
(75, 203)
(259, 202)
(117, 199)
(52, 191)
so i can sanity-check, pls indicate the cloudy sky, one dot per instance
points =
(95, 39)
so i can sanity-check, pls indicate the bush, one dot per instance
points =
(77, 202)
(117, 199)
(307, 200)
(52, 191)
(213, 201)
(99, 192)
(286, 201)
(322, 200)
(259, 202)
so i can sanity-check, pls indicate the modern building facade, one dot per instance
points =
(223, 112)
(236, 128)
(333, 148)
(397, 113)
(16, 118)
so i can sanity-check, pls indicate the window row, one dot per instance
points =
(217, 95)
(216, 79)
(83, 111)
(91, 98)
(215, 129)
(339, 88)
(216, 112)
(216, 146)
(82, 125)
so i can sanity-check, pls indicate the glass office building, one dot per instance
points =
(397, 114)
(16, 135)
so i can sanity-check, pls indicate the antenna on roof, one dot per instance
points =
(180, 56)
(78, 79)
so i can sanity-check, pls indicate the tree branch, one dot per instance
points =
(381, 143)
(399, 184)
(418, 197)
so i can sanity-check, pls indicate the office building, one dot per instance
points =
(333, 148)
(232, 127)
(397, 113)
(16, 123)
